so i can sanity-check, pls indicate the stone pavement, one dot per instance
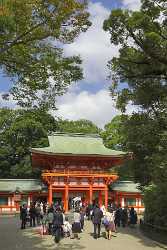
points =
(12, 238)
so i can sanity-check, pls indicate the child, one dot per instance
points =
(67, 228)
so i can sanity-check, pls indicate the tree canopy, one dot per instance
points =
(115, 137)
(31, 33)
(113, 134)
(20, 130)
(142, 37)
(79, 126)
(142, 65)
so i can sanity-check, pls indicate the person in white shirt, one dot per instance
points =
(103, 209)
(67, 228)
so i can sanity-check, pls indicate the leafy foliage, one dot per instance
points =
(31, 33)
(113, 134)
(155, 194)
(79, 126)
(142, 64)
(21, 130)
(115, 137)
(142, 36)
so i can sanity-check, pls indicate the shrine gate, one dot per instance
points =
(77, 165)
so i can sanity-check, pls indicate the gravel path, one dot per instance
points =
(12, 238)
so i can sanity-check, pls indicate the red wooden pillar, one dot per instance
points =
(100, 199)
(50, 195)
(90, 193)
(87, 197)
(106, 196)
(66, 198)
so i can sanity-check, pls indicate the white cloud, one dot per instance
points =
(94, 46)
(131, 4)
(9, 103)
(98, 108)
(95, 49)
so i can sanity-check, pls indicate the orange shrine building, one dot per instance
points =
(74, 165)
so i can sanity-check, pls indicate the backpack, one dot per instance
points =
(105, 221)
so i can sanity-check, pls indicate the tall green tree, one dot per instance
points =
(79, 126)
(115, 137)
(19, 131)
(155, 194)
(113, 133)
(142, 65)
(31, 34)
(142, 37)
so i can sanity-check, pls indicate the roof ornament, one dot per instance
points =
(17, 190)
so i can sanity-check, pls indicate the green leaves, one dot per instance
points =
(142, 65)
(143, 52)
(19, 131)
(113, 135)
(30, 36)
(79, 126)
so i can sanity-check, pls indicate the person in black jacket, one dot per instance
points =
(118, 216)
(23, 216)
(57, 230)
(57, 219)
(33, 214)
(96, 219)
(133, 217)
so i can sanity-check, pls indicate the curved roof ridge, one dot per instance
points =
(74, 134)
(14, 179)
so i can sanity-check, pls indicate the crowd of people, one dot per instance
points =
(49, 217)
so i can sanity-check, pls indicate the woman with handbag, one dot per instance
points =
(108, 222)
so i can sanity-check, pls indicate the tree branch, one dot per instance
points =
(160, 59)
(17, 40)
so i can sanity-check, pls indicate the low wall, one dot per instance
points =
(156, 233)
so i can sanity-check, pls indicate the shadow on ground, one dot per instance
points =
(46, 242)
(136, 233)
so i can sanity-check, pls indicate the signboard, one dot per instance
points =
(17, 197)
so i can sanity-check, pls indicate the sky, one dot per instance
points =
(90, 98)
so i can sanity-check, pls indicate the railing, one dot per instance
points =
(81, 172)
(154, 232)
(7, 209)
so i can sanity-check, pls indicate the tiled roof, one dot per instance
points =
(22, 185)
(126, 186)
(28, 185)
(77, 144)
